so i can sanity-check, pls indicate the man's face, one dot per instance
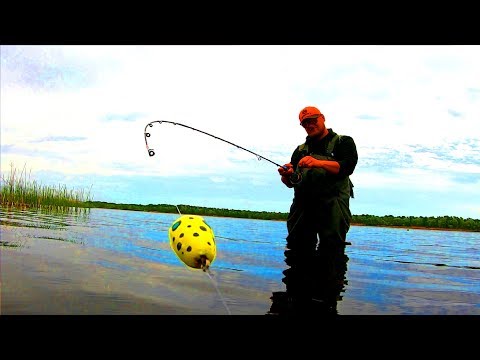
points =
(314, 126)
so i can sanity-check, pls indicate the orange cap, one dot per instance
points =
(309, 112)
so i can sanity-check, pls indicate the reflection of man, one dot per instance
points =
(320, 216)
(326, 292)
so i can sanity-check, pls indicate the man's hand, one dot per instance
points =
(287, 172)
(309, 162)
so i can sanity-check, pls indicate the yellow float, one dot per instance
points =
(193, 241)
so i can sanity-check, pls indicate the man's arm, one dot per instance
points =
(345, 153)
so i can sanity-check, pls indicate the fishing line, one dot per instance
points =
(151, 152)
(218, 291)
(179, 213)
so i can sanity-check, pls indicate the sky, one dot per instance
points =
(76, 115)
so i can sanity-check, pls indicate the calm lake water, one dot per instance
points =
(119, 262)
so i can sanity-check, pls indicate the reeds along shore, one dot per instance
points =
(18, 190)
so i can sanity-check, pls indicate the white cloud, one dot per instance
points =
(391, 99)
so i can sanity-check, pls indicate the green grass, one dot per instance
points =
(19, 191)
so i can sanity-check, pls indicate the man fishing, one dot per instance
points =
(319, 216)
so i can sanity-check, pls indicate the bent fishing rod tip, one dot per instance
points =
(151, 152)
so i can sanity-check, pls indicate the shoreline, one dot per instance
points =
(28, 207)
(416, 228)
(351, 224)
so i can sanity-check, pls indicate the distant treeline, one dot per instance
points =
(193, 210)
(438, 222)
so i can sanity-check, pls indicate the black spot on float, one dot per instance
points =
(189, 248)
(176, 225)
(203, 228)
(181, 235)
(207, 224)
(190, 217)
(173, 239)
(179, 246)
(189, 226)
(195, 234)
(208, 242)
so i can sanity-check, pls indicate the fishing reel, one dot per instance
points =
(296, 178)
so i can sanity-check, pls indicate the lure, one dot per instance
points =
(193, 241)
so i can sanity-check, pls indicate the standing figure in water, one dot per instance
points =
(319, 216)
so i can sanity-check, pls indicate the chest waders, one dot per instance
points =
(317, 224)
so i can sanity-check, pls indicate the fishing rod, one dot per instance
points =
(151, 152)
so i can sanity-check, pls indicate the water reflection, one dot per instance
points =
(116, 261)
(50, 223)
(313, 287)
(43, 218)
